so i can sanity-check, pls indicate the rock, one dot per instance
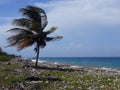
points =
(52, 78)
(33, 85)
(33, 78)
(8, 63)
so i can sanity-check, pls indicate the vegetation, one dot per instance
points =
(81, 80)
(2, 52)
(31, 30)
(5, 58)
(8, 75)
(14, 75)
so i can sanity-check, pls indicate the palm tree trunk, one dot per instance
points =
(37, 56)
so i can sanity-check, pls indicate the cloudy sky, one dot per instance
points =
(91, 28)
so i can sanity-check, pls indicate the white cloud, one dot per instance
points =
(3, 34)
(86, 23)
(75, 17)
(81, 17)
(74, 12)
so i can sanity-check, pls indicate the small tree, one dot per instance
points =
(0, 49)
(31, 30)
(2, 52)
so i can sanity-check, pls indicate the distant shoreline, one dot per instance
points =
(108, 62)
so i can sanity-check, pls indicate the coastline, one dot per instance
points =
(97, 62)
(111, 71)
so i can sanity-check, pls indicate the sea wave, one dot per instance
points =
(39, 61)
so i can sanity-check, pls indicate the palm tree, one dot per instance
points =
(30, 30)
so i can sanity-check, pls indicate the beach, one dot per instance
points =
(20, 74)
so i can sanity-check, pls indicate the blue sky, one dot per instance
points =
(91, 28)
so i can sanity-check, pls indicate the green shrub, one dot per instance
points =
(5, 58)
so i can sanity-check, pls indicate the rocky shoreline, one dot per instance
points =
(68, 67)
(51, 76)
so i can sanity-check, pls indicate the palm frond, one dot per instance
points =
(20, 31)
(21, 41)
(35, 14)
(51, 30)
(38, 10)
(34, 8)
(44, 21)
(44, 24)
(22, 22)
(35, 27)
(24, 44)
(53, 38)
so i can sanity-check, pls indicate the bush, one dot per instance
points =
(5, 58)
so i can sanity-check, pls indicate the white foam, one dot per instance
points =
(33, 60)
(75, 66)
(56, 63)
(104, 68)
(41, 61)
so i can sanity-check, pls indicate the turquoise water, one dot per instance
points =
(109, 62)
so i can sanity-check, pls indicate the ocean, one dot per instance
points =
(108, 62)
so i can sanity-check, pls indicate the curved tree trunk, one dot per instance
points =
(37, 55)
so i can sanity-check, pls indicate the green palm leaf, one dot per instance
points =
(20, 31)
(22, 22)
(51, 30)
(53, 38)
